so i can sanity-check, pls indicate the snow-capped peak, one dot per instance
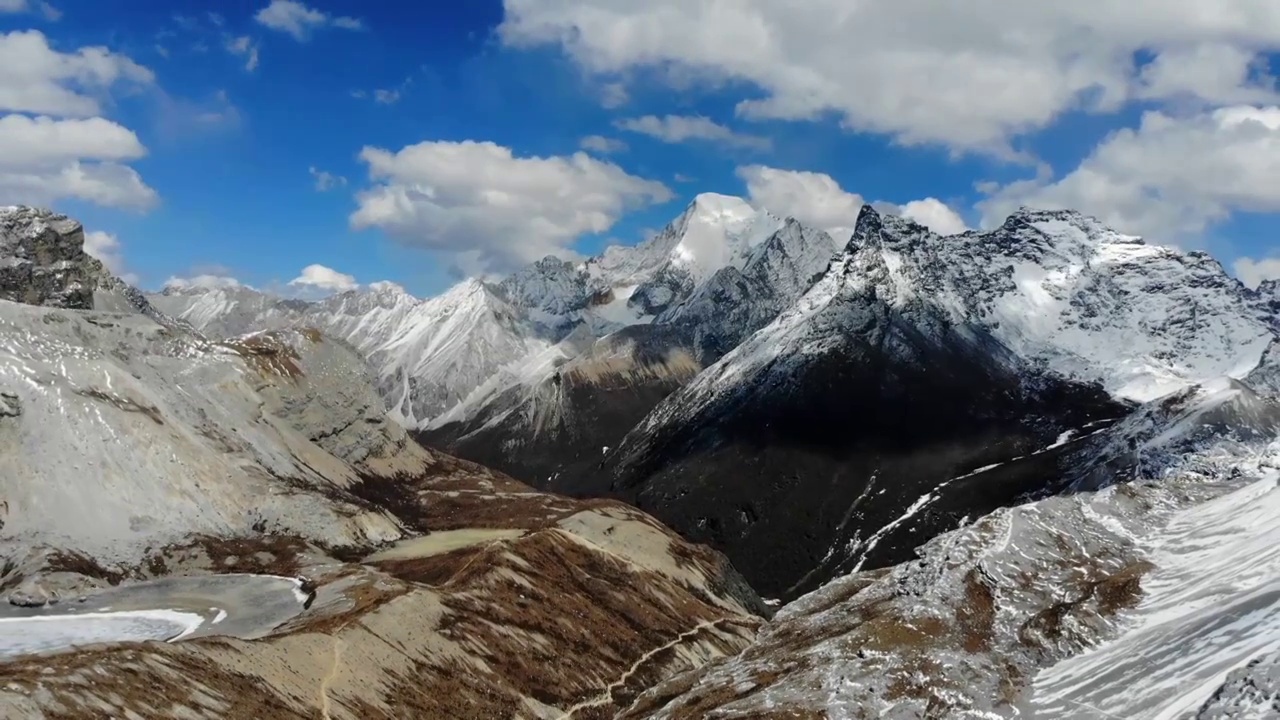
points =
(1065, 291)
(719, 231)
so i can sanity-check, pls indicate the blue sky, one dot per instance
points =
(241, 106)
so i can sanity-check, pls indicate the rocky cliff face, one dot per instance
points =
(45, 262)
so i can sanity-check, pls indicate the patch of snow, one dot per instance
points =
(1210, 607)
(45, 633)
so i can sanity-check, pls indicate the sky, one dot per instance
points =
(325, 145)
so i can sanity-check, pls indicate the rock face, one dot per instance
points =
(133, 450)
(44, 260)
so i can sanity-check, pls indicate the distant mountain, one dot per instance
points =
(430, 355)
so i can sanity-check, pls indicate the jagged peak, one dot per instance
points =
(1058, 222)
(467, 289)
(26, 221)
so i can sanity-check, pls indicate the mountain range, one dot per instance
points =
(757, 384)
(1027, 471)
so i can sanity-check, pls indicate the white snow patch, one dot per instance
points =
(44, 633)
(1211, 606)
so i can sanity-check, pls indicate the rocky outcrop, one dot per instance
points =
(10, 404)
(43, 262)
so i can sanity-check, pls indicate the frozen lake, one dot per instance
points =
(170, 609)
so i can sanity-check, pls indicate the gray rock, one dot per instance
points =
(30, 594)
(10, 404)
(43, 262)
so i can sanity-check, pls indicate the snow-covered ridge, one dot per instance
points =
(429, 355)
(1067, 293)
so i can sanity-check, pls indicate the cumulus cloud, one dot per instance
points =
(324, 278)
(602, 144)
(966, 76)
(43, 160)
(480, 198)
(1169, 178)
(53, 145)
(326, 181)
(935, 215)
(683, 128)
(26, 141)
(106, 247)
(817, 199)
(1254, 272)
(300, 21)
(39, 79)
(810, 197)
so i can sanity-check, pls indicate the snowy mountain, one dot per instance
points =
(430, 355)
(552, 419)
(918, 361)
(426, 355)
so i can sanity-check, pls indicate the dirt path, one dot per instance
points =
(606, 696)
(330, 676)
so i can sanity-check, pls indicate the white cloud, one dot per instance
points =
(31, 142)
(602, 144)
(299, 21)
(818, 200)
(1169, 178)
(245, 47)
(106, 247)
(479, 198)
(43, 160)
(386, 96)
(324, 278)
(386, 286)
(39, 79)
(326, 181)
(812, 198)
(966, 75)
(46, 10)
(1213, 72)
(682, 128)
(1254, 272)
(935, 215)
(206, 281)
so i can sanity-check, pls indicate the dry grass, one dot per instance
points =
(152, 412)
(268, 354)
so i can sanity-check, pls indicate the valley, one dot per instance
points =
(740, 470)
